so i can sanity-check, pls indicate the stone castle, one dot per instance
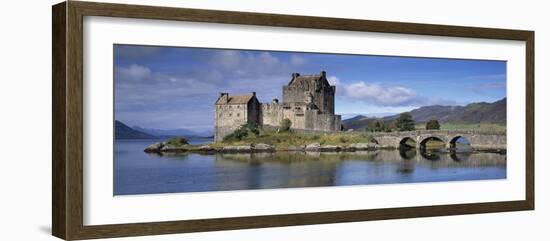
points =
(308, 102)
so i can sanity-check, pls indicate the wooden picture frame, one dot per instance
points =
(67, 150)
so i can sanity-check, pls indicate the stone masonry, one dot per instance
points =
(479, 140)
(308, 102)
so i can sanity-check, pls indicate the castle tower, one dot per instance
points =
(304, 89)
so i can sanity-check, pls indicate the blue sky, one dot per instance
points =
(174, 87)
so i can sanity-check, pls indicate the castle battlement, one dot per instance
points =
(268, 106)
(308, 102)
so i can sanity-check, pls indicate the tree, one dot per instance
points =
(387, 127)
(404, 122)
(285, 125)
(377, 126)
(432, 125)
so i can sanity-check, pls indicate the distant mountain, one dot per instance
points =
(437, 112)
(373, 115)
(358, 122)
(173, 132)
(481, 112)
(122, 131)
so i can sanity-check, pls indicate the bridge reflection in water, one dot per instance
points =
(315, 169)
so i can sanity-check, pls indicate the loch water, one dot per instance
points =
(136, 172)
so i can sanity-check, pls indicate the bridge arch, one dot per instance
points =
(407, 142)
(426, 139)
(463, 139)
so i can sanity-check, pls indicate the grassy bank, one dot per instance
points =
(289, 138)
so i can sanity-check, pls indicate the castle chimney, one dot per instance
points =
(254, 93)
(222, 94)
(294, 75)
(323, 74)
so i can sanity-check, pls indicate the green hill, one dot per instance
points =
(474, 113)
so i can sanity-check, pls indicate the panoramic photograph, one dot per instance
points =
(192, 119)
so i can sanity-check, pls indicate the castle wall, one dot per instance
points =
(337, 122)
(296, 114)
(228, 118)
(325, 122)
(310, 119)
(301, 119)
(293, 95)
(271, 114)
(324, 99)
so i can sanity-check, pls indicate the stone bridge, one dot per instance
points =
(479, 140)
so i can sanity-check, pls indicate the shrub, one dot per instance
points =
(285, 125)
(432, 125)
(253, 128)
(177, 141)
(242, 132)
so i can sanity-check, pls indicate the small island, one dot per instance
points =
(254, 140)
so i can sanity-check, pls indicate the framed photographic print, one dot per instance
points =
(171, 120)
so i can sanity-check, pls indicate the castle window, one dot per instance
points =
(229, 114)
(238, 114)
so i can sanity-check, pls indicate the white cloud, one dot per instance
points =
(245, 64)
(133, 72)
(296, 60)
(139, 74)
(227, 59)
(333, 80)
(381, 95)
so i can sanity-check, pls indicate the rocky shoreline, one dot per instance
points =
(163, 147)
